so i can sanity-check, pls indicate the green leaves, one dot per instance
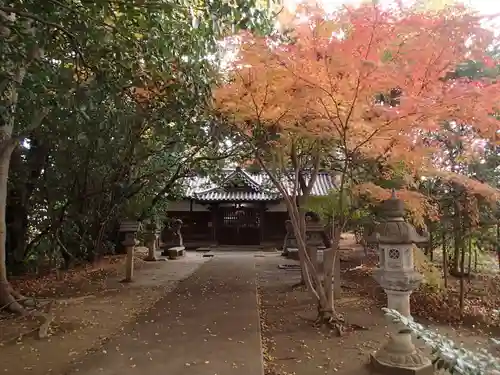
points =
(126, 84)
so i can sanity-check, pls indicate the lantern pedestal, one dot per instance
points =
(400, 357)
(399, 301)
(398, 286)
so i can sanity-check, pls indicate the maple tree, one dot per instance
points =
(363, 82)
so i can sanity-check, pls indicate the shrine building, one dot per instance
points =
(241, 209)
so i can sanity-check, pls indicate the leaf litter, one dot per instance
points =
(292, 345)
(92, 305)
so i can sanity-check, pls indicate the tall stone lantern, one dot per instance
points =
(152, 236)
(395, 239)
(129, 228)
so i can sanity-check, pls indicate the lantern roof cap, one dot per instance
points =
(393, 229)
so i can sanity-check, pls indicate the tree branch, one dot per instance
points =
(61, 28)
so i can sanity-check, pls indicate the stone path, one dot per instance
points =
(209, 325)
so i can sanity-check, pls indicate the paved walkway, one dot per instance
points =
(209, 325)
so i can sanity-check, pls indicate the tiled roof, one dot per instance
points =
(222, 195)
(258, 187)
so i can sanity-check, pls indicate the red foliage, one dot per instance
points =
(324, 85)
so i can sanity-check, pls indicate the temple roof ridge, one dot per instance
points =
(204, 188)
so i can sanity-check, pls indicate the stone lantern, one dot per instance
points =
(290, 240)
(395, 239)
(129, 228)
(152, 236)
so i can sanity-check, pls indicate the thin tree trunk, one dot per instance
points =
(302, 228)
(478, 249)
(457, 233)
(456, 253)
(337, 288)
(469, 261)
(445, 259)
(462, 281)
(431, 244)
(498, 244)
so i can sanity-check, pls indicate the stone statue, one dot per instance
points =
(171, 235)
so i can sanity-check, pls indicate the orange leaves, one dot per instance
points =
(152, 90)
(418, 205)
(329, 82)
(471, 186)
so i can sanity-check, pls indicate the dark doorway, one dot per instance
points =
(238, 225)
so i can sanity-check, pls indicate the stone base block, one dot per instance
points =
(203, 249)
(384, 368)
(174, 252)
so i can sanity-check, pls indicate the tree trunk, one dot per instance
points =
(431, 243)
(456, 252)
(337, 289)
(458, 234)
(498, 244)
(462, 281)
(331, 284)
(302, 228)
(28, 167)
(445, 260)
(478, 249)
(469, 260)
(327, 314)
(8, 298)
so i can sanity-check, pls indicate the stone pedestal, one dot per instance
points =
(400, 357)
(130, 244)
(399, 301)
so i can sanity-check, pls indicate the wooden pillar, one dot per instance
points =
(262, 221)
(214, 210)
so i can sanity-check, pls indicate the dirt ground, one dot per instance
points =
(294, 346)
(91, 306)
